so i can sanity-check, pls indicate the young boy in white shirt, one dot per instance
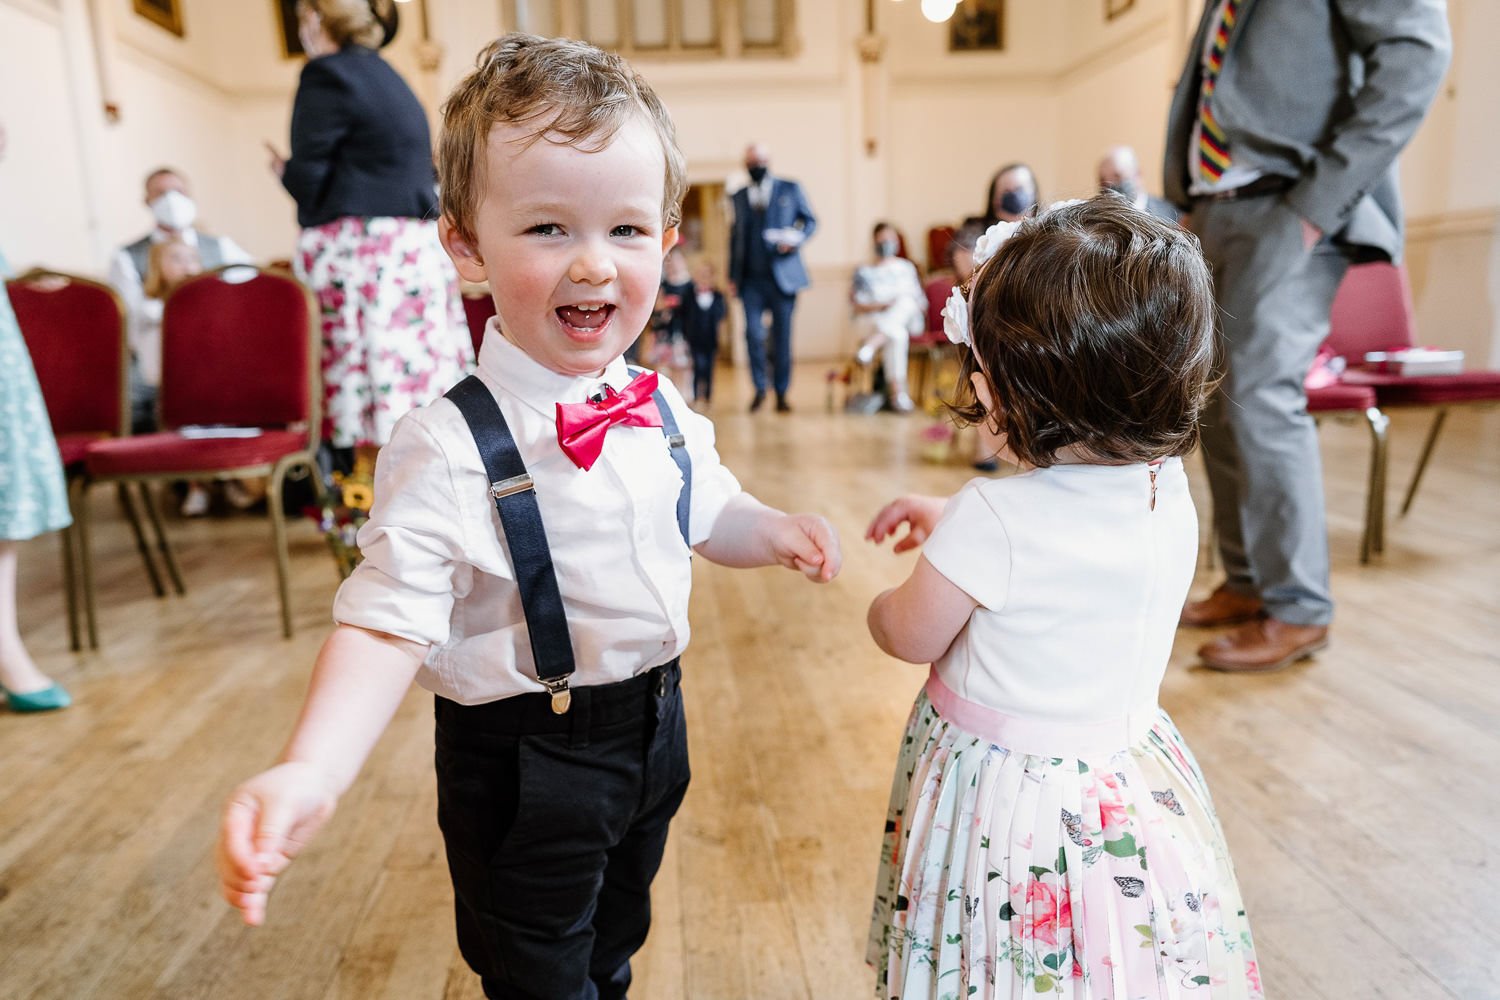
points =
(562, 184)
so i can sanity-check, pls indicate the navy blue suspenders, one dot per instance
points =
(514, 494)
(677, 444)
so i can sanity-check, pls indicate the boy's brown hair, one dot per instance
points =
(1093, 325)
(562, 87)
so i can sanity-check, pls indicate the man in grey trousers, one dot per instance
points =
(1281, 146)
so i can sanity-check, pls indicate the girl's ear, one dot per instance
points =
(994, 414)
(466, 259)
(982, 392)
(668, 241)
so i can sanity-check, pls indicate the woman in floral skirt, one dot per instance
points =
(394, 334)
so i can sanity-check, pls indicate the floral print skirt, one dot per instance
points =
(1008, 875)
(394, 333)
(33, 497)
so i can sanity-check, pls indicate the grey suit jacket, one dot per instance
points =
(1325, 92)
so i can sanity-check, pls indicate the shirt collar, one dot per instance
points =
(515, 373)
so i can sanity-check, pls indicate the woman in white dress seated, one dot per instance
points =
(889, 307)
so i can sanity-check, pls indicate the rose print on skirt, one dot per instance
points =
(394, 333)
(1007, 875)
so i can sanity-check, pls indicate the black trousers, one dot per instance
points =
(703, 371)
(555, 826)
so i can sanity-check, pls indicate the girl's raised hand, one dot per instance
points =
(267, 822)
(919, 513)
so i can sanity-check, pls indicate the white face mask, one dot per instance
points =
(174, 210)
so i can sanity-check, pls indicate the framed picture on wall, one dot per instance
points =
(286, 20)
(167, 13)
(977, 26)
(1114, 8)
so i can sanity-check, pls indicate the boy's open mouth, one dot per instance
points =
(585, 319)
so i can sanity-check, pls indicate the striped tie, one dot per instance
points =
(1213, 146)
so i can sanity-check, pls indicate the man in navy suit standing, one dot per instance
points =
(771, 220)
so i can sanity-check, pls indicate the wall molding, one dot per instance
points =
(1449, 225)
(51, 12)
(152, 62)
(1103, 56)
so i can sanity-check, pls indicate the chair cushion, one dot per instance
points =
(74, 447)
(1429, 390)
(169, 451)
(1339, 396)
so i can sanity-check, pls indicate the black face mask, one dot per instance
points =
(1017, 202)
(757, 172)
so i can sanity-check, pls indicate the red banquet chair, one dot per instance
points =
(478, 308)
(931, 348)
(939, 241)
(1373, 312)
(74, 330)
(239, 398)
(1339, 400)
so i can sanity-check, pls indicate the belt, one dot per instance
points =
(594, 707)
(1037, 736)
(1260, 187)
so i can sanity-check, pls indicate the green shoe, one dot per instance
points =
(46, 700)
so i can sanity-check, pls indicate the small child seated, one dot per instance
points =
(168, 264)
(527, 558)
(1049, 832)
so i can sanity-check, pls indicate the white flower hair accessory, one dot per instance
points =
(956, 310)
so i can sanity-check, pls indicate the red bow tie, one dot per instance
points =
(581, 426)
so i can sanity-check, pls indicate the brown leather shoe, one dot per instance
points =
(1262, 646)
(1222, 607)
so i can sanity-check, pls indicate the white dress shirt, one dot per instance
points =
(760, 194)
(436, 569)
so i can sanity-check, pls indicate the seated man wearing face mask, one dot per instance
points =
(1120, 172)
(889, 306)
(167, 198)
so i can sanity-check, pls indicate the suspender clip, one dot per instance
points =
(511, 486)
(676, 441)
(557, 687)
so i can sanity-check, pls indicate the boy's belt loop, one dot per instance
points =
(580, 718)
(515, 500)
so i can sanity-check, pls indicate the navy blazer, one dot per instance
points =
(788, 207)
(360, 144)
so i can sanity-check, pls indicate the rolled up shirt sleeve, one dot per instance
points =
(412, 544)
(971, 548)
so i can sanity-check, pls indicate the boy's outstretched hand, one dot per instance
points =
(919, 513)
(807, 543)
(267, 821)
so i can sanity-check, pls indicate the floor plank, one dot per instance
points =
(1355, 791)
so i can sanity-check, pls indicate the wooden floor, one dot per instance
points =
(1358, 792)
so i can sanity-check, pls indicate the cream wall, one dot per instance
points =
(1451, 187)
(1067, 85)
